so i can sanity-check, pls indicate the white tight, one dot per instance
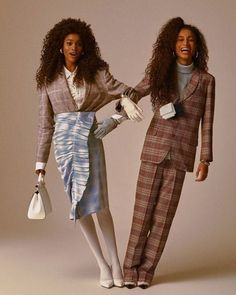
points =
(106, 224)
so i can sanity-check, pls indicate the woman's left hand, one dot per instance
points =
(202, 171)
(105, 127)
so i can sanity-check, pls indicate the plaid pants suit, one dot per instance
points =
(160, 180)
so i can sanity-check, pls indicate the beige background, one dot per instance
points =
(52, 257)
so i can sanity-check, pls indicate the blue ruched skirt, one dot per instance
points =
(81, 162)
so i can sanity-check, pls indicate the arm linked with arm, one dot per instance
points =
(135, 94)
(117, 89)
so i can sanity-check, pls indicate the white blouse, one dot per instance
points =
(77, 92)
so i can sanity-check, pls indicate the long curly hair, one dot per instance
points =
(161, 68)
(52, 61)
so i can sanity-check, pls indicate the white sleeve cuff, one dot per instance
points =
(40, 166)
(119, 118)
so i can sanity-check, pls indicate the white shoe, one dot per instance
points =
(106, 283)
(106, 279)
(119, 283)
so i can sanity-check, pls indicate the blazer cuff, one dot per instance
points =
(119, 118)
(40, 166)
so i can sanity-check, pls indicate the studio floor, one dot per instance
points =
(61, 263)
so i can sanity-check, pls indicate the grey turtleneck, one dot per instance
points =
(184, 74)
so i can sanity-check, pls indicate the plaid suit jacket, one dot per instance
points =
(56, 98)
(179, 136)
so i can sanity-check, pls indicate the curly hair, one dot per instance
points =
(161, 68)
(52, 61)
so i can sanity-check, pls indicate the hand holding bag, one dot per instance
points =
(40, 204)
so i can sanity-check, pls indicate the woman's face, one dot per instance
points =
(185, 47)
(72, 49)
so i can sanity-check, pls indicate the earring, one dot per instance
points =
(173, 53)
(196, 56)
(61, 51)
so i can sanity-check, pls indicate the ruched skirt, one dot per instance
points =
(81, 162)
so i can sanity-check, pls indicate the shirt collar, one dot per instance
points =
(69, 74)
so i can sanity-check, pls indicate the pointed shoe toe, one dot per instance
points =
(106, 284)
(119, 283)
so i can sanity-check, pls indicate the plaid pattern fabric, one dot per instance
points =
(160, 181)
(179, 135)
(56, 98)
(157, 196)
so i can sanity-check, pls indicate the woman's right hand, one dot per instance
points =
(133, 111)
(43, 172)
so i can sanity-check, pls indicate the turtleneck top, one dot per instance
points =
(184, 74)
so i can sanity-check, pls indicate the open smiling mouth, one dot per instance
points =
(185, 50)
(73, 54)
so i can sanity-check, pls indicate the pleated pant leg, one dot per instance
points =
(158, 191)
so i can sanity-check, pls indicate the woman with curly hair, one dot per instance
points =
(74, 82)
(182, 95)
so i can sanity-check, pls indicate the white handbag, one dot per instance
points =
(167, 111)
(40, 204)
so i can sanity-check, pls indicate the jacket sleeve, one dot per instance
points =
(207, 122)
(45, 127)
(135, 94)
(114, 87)
(142, 88)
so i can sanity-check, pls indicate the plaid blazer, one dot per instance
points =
(179, 135)
(56, 98)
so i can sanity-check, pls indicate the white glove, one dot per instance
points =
(133, 111)
(105, 127)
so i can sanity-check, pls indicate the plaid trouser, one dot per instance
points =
(158, 191)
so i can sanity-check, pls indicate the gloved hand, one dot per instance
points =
(105, 127)
(133, 111)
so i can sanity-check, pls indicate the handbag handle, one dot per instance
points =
(41, 178)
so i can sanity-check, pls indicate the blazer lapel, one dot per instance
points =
(87, 90)
(192, 85)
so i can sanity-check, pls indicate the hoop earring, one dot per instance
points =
(196, 56)
(61, 51)
(173, 53)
